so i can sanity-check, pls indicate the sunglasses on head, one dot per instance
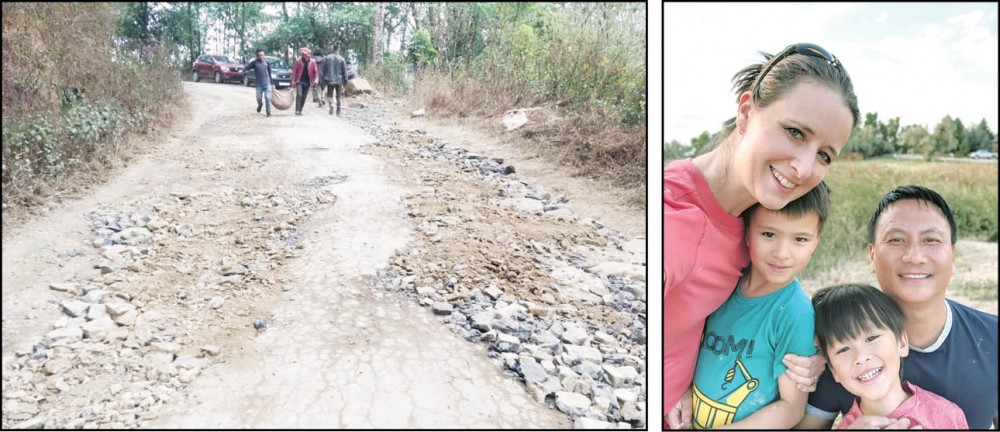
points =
(804, 49)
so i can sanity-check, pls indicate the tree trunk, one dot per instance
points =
(378, 33)
(144, 18)
(241, 29)
(190, 35)
(438, 25)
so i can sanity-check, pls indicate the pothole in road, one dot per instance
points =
(318, 182)
(184, 278)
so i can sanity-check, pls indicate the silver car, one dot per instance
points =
(281, 74)
(983, 154)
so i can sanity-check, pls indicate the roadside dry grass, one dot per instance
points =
(88, 176)
(592, 144)
(75, 102)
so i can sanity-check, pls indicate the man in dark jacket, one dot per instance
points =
(335, 74)
(262, 74)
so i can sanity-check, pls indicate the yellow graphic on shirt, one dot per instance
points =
(709, 414)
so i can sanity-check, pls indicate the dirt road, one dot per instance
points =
(322, 272)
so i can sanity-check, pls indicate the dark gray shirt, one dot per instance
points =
(334, 69)
(262, 72)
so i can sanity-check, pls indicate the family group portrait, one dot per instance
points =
(830, 217)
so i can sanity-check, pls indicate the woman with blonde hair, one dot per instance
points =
(794, 114)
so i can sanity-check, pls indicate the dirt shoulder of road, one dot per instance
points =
(596, 199)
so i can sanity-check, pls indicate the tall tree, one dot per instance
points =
(378, 33)
(134, 24)
(946, 136)
(912, 139)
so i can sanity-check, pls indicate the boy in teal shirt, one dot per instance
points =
(739, 378)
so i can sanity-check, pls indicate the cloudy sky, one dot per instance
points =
(918, 61)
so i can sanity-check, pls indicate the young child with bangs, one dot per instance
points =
(860, 333)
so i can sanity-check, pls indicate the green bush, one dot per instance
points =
(422, 50)
(390, 75)
(586, 58)
(39, 149)
(68, 104)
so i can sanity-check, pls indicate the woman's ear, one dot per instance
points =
(743, 111)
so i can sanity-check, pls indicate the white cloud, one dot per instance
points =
(946, 69)
(705, 44)
(945, 66)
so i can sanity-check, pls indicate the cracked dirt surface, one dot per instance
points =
(256, 272)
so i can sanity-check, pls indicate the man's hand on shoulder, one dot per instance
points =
(680, 416)
(804, 371)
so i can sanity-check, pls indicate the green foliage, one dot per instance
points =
(980, 137)
(674, 150)
(67, 103)
(874, 138)
(950, 137)
(585, 57)
(914, 139)
(391, 74)
(465, 38)
(421, 50)
(42, 149)
(320, 28)
(945, 139)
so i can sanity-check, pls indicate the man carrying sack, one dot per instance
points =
(262, 73)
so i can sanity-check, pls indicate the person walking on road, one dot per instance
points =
(352, 71)
(335, 74)
(317, 91)
(262, 73)
(304, 74)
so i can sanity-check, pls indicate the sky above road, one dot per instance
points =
(915, 61)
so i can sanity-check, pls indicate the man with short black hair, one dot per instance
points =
(262, 75)
(953, 347)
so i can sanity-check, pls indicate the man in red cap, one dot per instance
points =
(304, 74)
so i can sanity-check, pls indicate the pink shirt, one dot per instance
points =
(703, 253)
(923, 408)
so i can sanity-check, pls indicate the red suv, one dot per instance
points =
(219, 67)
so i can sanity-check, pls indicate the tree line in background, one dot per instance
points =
(80, 78)
(585, 62)
(578, 54)
(874, 138)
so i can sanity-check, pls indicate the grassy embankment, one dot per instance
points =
(584, 73)
(74, 102)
